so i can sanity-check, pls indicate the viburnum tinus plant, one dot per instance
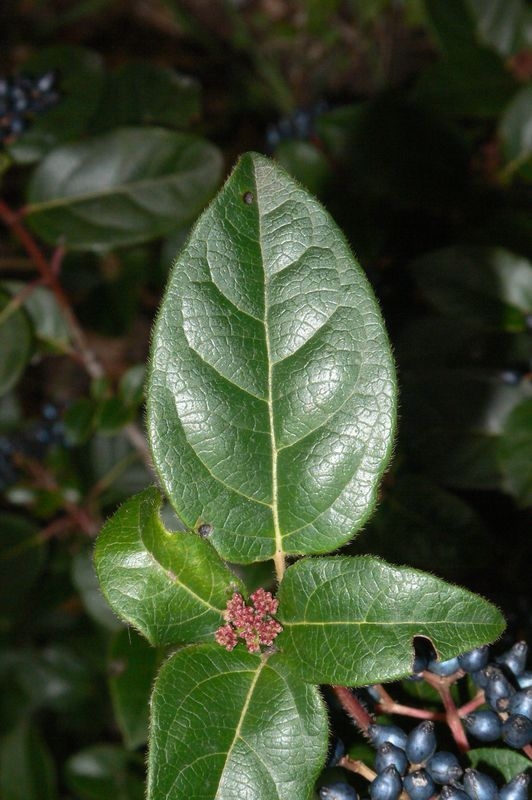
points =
(271, 416)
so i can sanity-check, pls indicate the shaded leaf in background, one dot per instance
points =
(105, 772)
(508, 762)
(16, 342)
(79, 83)
(123, 187)
(515, 131)
(85, 581)
(515, 453)
(21, 560)
(499, 23)
(26, 766)
(146, 94)
(237, 726)
(305, 163)
(485, 285)
(132, 667)
(271, 399)
(351, 621)
(172, 587)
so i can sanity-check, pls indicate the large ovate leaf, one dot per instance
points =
(351, 621)
(172, 587)
(271, 398)
(127, 186)
(233, 726)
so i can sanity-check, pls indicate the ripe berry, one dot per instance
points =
(453, 792)
(443, 767)
(521, 703)
(498, 690)
(475, 659)
(485, 725)
(337, 791)
(335, 752)
(444, 668)
(525, 680)
(419, 785)
(515, 658)
(516, 789)
(421, 743)
(517, 731)
(480, 786)
(378, 734)
(387, 785)
(388, 754)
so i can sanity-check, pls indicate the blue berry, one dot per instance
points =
(475, 659)
(521, 703)
(453, 792)
(515, 658)
(516, 789)
(388, 754)
(337, 791)
(419, 785)
(378, 734)
(498, 690)
(480, 786)
(525, 680)
(443, 767)
(480, 677)
(335, 753)
(485, 725)
(387, 785)
(444, 668)
(517, 731)
(421, 742)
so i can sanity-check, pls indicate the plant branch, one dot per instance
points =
(354, 765)
(387, 705)
(353, 707)
(442, 686)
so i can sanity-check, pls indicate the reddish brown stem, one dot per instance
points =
(442, 686)
(353, 707)
(358, 767)
(527, 750)
(474, 703)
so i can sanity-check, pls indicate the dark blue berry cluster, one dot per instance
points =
(299, 125)
(409, 764)
(21, 98)
(32, 442)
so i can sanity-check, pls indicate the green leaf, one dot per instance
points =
(481, 284)
(16, 342)
(124, 187)
(515, 131)
(233, 726)
(21, 560)
(132, 667)
(79, 419)
(506, 761)
(515, 453)
(26, 767)
(104, 772)
(305, 163)
(499, 23)
(131, 387)
(351, 621)
(147, 94)
(271, 398)
(80, 79)
(172, 587)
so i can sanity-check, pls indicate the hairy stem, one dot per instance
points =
(353, 707)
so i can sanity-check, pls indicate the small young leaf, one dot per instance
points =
(351, 621)
(172, 587)
(232, 726)
(127, 186)
(271, 399)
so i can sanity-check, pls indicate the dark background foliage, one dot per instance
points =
(412, 122)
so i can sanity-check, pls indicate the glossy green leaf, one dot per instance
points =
(26, 767)
(233, 726)
(143, 93)
(105, 772)
(482, 284)
(506, 761)
(515, 131)
(132, 667)
(172, 587)
(16, 342)
(271, 398)
(351, 621)
(127, 186)
(79, 83)
(515, 452)
(21, 559)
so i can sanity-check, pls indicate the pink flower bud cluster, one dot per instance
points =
(254, 625)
